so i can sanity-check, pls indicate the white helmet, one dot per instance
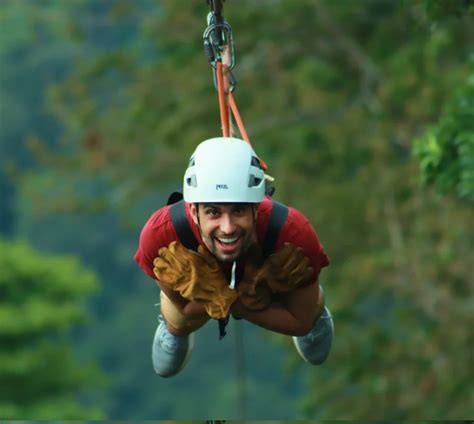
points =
(224, 170)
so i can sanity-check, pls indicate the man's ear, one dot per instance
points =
(194, 213)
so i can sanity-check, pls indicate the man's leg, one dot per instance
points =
(170, 353)
(315, 346)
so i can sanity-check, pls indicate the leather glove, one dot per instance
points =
(286, 270)
(253, 294)
(196, 276)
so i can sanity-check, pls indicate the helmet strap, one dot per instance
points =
(198, 219)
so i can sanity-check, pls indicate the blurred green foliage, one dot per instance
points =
(41, 299)
(333, 95)
(446, 151)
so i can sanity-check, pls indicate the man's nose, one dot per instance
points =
(227, 225)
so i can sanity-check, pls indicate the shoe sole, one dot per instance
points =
(188, 355)
(295, 340)
(186, 358)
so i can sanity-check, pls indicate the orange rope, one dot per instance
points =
(238, 119)
(223, 105)
(240, 124)
(227, 104)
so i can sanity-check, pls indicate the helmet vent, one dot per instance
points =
(255, 162)
(191, 181)
(254, 181)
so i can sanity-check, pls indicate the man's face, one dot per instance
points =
(227, 229)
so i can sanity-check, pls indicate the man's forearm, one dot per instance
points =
(275, 318)
(186, 307)
(193, 309)
(295, 316)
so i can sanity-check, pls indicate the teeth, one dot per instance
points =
(229, 240)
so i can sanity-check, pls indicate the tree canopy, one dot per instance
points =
(41, 302)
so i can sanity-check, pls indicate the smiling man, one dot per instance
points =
(227, 230)
(231, 271)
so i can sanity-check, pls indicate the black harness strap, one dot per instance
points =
(278, 217)
(222, 325)
(186, 237)
(182, 227)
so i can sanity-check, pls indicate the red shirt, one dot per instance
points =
(159, 232)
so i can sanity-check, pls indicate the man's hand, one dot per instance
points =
(254, 295)
(238, 310)
(196, 276)
(285, 270)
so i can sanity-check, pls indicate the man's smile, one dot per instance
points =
(228, 244)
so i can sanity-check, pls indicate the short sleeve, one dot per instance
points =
(298, 231)
(157, 232)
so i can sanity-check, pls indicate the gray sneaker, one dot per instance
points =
(315, 346)
(170, 353)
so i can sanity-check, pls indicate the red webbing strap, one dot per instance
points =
(227, 104)
(238, 119)
(223, 103)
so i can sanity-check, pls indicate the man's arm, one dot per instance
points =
(184, 306)
(294, 316)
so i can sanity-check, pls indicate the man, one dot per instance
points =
(228, 213)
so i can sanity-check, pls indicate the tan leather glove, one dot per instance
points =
(286, 270)
(196, 276)
(253, 294)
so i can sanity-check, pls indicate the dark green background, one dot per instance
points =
(363, 112)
